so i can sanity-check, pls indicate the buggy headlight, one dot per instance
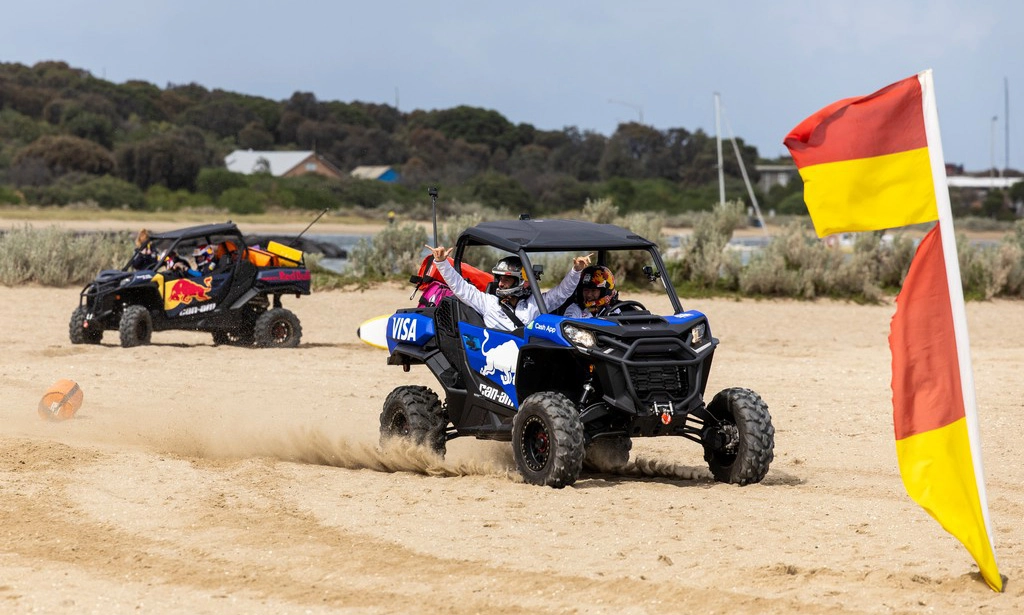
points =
(697, 335)
(579, 337)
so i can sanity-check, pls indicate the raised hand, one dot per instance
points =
(580, 263)
(440, 252)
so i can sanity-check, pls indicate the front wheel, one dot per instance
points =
(414, 413)
(136, 328)
(79, 333)
(739, 439)
(278, 328)
(547, 440)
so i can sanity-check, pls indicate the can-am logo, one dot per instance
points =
(198, 309)
(495, 395)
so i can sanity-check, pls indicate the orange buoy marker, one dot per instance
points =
(61, 401)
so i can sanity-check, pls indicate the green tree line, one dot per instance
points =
(69, 137)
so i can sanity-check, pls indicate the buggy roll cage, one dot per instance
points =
(525, 236)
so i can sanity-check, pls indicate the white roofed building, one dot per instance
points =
(279, 164)
(981, 183)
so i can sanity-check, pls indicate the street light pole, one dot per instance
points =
(992, 148)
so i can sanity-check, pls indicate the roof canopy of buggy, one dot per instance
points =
(552, 236)
(205, 230)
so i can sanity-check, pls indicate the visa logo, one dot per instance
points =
(403, 329)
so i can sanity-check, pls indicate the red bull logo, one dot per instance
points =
(286, 276)
(185, 291)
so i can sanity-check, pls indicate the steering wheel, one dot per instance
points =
(621, 305)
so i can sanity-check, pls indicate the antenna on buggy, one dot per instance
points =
(432, 191)
(292, 242)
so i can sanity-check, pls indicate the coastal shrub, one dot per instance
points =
(395, 251)
(58, 257)
(106, 191)
(243, 201)
(794, 264)
(975, 275)
(797, 264)
(161, 198)
(1008, 262)
(9, 196)
(214, 182)
(702, 261)
(647, 225)
(887, 262)
(601, 211)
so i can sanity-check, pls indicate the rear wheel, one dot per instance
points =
(547, 440)
(234, 337)
(414, 413)
(79, 333)
(739, 440)
(278, 328)
(136, 327)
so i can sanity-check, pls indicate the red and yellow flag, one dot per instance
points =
(864, 162)
(872, 163)
(933, 446)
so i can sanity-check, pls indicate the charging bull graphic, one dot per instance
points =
(183, 290)
(501, 359)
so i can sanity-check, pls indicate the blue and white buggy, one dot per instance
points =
(569, 392)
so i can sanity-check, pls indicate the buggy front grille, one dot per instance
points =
(655, 379)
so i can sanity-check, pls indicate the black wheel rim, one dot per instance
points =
(399, 425)
(280, 331)
(141, 330)
(722, 442)
(535, 444)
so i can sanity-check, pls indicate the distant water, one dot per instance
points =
(346, 243)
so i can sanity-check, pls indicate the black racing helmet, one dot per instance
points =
(601, 278)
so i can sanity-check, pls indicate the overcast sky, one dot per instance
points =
(555, 63)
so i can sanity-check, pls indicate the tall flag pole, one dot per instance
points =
(875, 162)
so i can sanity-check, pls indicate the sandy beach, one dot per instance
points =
(203, 479)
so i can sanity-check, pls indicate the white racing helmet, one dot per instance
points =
(511, 266)
(203, 255)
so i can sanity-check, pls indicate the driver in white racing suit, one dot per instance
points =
(513, 297)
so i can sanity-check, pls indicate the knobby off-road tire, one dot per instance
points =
(244, 334)
(233, 338)
(78, 333)
(741, 447)
(277, 328)
(607, 454)
(414, 413)
(136, 328)
(547, 440)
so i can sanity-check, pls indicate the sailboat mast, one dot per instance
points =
(718, 139)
